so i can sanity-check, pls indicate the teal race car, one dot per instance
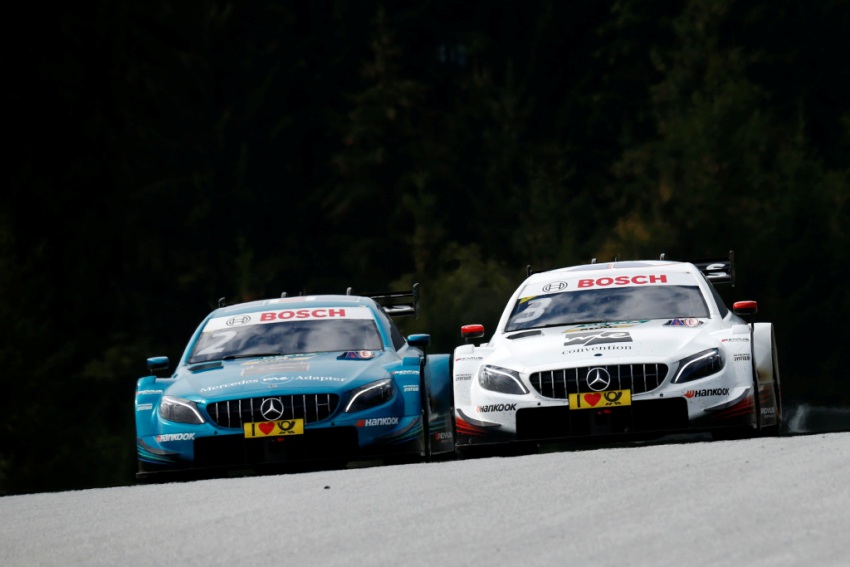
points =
(320, 380)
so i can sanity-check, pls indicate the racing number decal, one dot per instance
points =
(274, 428)
(533, 310)
(596, 400)
(717, 271)
(220, 338)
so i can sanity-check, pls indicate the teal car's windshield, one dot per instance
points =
(289, 337)
(610, 304)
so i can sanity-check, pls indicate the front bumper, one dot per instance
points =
(207, 447)
(655, 414)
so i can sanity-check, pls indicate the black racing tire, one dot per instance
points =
(466, 452)
(426, 435)
(453, 454)
(425, 414)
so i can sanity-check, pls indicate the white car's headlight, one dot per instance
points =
(371, 395)
(179, 410)
(501, 380)
(698, 366)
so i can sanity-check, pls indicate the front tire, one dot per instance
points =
(426, 434)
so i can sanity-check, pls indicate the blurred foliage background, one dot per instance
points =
(165, 154)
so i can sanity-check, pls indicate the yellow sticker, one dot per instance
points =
(597, 400)
(274, 428)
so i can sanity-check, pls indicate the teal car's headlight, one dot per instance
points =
(371, 395)
(501, 380)
(179, 410)
(698, 366)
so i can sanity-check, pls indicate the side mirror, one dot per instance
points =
(745, 308)
(419, 340)
(471, 332)
(157, 363)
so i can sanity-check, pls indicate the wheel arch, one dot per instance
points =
(766, 362)
(764, 351)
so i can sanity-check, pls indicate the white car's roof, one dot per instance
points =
(624, 266)
(610, 276)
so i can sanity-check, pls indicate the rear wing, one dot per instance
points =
(716, 270)
(398, 303)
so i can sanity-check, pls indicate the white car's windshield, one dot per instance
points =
(290, 337)
(611, 304)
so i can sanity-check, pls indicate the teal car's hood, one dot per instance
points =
(308, 373)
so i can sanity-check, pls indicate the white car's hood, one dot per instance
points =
(611, 343)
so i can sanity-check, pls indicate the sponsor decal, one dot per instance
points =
(273, 380)
(463, 358)
(735, 340)
(357, 355)
(406, 372)
(377, 421)
(707, 392)
(599, 400)
(608, 325)
(306, 314)
(278, 428)
(623, 280)
(443, 436)
(689, 322)
(166, 437)
(769, 411)
(495, 407)
(411, 388)
(310, 378)
(554, 286)
(741, 357)
(144, 392)
(597, 349)
(602, 337)
(144, 407)
(320, 313)
(462, 377)
(231, 385)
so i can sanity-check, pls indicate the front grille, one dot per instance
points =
(638, 378)
(309, 407)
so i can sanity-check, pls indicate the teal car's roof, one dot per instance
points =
(295, 302)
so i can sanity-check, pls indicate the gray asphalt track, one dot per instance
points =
(770, 501)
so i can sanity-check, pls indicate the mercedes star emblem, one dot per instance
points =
(598, 379)
(272, 409)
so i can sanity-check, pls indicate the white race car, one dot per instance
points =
(628, 348)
